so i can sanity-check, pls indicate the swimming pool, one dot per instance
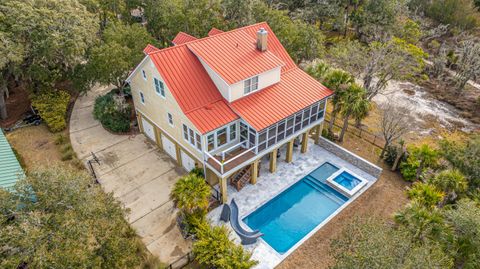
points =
(295, 212)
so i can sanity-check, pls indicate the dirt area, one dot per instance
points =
(36, 145)
(17, 104)
(384, 198)
(465, 101)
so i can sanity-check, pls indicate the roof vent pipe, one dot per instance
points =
(262, 39)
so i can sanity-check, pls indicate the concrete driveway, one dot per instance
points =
(138, 174)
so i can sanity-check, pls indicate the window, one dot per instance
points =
(233, 131)
(211, 142)
(185, 132)
(192, 137)
(144, 75)
(142, 98)
(221, 137)
(250, 85)
(170, 119)
(159, 87)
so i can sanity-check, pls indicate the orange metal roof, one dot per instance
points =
(214, 31)
(294, 92)
(182, 38)
(149, 49)
(233, 56)
(273, 44)
(192, 88)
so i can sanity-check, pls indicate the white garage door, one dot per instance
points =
(148, 129)
(187, 162)
(169, 147)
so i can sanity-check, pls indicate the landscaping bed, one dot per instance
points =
(114, 111)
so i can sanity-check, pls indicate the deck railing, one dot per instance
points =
(222, 163)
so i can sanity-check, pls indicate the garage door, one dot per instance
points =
(148, 129)
(169, 147)
(187, 162)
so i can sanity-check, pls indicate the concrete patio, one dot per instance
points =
(138, 174)
(269, 185)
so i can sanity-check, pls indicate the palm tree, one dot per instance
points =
(426, 156)
(338, 81)
(452, 182)
(353, 102)
(318, 69)
(191, 193)
(425, 194)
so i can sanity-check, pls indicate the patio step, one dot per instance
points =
(323, 188)
(241, 178)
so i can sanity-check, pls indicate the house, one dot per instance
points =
(227, 102)
(10, 169)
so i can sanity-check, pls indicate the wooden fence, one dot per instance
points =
(366, 135)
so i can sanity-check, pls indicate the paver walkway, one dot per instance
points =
(138, 174)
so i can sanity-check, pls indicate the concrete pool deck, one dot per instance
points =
(270, 185)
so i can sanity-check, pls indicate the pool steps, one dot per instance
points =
(326, 190)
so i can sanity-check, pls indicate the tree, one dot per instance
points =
(195, 17)
(460, 13)
(468, 62)
(318, 69)
(191, 193)
(237, 13)
(338, 81)
(379, 63)
(465, 218)
(121, 49)
(353, 103)
(464, 156)
(452, 182)
(215, 250)
(419, 159)
(53, 34)
(301, 40)
(375, 20)
(395, 122)
(424, 224)
(57, 218)
(12, 55)
(371, 244)
(425, 194)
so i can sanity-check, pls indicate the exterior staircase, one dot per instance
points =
(241, 178)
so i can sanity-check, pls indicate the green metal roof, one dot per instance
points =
(10, 169)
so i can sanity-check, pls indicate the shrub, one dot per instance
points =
(409, 168)
(328, 135)
(113, 112)
(60, 139)
(52, 107)
(67, 155)
(191, 193)
(214, 249)
(418, 161)
(425, 194)
(197, 171)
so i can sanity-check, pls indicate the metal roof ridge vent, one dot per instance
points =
(262, 37)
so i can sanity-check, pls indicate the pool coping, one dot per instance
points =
(338, 187)
(318, 227)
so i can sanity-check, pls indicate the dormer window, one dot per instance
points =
(250, 85)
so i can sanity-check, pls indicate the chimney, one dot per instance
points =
(262, 35)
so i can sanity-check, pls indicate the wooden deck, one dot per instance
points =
(233, 164)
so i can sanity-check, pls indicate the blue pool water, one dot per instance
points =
(292, 214)
(347, 180)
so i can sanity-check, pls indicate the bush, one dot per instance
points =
(60, 139)
(391, 153)
(52, 107)
(425, 194)
(214, 249)
(113, 112)
(191, 194)
(197, 171)
(328, 135)
(409, 168)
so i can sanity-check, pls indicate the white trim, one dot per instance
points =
(349, 193)
(171, 137)
(129, 78)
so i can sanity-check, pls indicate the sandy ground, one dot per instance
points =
(381, 200)
(36, 145)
